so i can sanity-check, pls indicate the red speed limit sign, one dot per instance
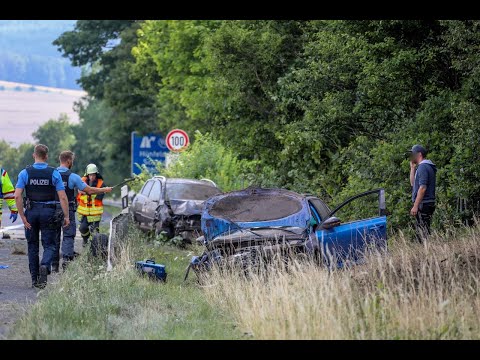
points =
(177, 140)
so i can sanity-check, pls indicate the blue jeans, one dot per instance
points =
(68, 240)
(41, 219)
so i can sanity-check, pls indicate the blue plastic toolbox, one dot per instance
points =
(151, 269)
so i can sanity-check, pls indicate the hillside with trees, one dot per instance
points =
(28, 56)
(326, 107)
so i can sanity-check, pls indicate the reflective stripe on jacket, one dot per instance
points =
(8, 192)
(89, 205)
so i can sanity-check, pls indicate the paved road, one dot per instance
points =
(16, 293)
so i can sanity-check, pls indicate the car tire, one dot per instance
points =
(159, 228)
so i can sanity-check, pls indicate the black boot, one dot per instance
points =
(55, 268)
(42, 278)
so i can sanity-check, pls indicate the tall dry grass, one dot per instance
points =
(428, 291)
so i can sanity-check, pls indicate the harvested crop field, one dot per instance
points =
(23, 108)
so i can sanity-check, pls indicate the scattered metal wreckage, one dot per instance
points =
(241, 227)
(172, 206)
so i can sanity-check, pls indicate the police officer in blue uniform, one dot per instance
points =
(41, 184)
(71, 181)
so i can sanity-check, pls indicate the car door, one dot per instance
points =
(138, 202)
(151, 204)
(350, 240)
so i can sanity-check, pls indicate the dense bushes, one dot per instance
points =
(327, 107)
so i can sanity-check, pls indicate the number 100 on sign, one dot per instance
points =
(177, 140)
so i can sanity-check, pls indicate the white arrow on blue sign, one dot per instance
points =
(146, 147)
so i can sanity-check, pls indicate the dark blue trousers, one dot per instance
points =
(42, 220)
(68, 240)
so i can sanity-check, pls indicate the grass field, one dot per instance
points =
(24, 108)
(90, 303)
(415, 292)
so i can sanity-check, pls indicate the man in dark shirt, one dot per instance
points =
(423, 181)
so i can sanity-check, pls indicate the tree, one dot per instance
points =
(326, 107)
(105, 48)
(58, 135)
(94, 42)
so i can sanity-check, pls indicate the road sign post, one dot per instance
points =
(146, 148)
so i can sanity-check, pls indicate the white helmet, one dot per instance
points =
(91, 169)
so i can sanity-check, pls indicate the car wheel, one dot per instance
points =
(160, 228)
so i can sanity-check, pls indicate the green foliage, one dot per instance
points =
(15, 159)
(94, 141)
(326, 107)
(207, 158)
(57, 134)
(87, 45)
(171, 53)
(104, 48)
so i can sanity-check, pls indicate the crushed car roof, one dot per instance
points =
(260, 205)
(253, 207)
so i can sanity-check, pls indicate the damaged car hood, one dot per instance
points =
(186, 207)
(228, 214)
(256, 235)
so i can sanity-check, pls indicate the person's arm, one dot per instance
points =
(412, 173)
(83, 188)
(422, 182)
(21, 183)
(64, 204)
(19, 203)
(62, 196)
(92, 190)
(418, 200)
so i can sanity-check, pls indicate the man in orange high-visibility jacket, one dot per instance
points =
(90, 207)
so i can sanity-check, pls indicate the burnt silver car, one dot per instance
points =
(172, 206)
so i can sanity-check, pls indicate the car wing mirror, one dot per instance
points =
(331, 222)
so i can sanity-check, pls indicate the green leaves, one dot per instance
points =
(57, 134)
(327, 107)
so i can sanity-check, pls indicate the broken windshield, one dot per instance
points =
(189, 191)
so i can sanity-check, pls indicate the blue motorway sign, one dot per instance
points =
(146, 148)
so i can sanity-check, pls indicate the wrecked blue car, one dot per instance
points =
(243, 225)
